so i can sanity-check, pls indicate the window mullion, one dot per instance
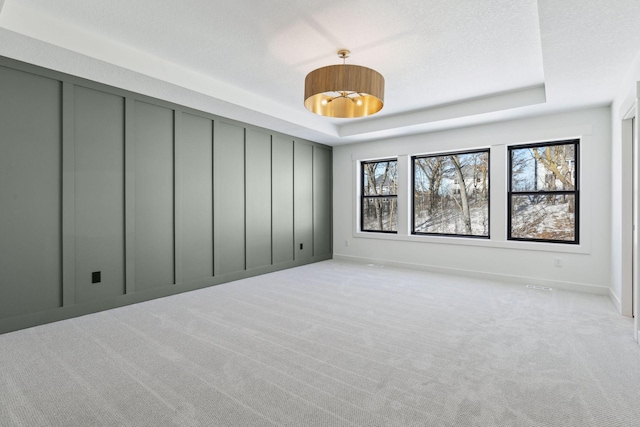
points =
(404, 197)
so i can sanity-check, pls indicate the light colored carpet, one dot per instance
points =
(331, 344)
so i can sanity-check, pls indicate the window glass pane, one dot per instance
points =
(451, 194)
(546, 168)
(379, 214)
(548, 217)
(380, 178)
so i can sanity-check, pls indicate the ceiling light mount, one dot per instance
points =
(344, 91)
(344, 54)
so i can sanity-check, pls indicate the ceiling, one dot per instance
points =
(447, 63)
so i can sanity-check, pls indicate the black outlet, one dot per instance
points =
(300, 246)
(95, 277)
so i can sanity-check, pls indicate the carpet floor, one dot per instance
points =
(331, 344)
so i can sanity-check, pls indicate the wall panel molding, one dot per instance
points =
(129, 197)
(180, 172)
(68, 195)
(177, 196)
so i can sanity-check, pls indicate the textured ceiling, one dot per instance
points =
(446, 63)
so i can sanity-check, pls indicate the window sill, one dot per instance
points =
(487, 243)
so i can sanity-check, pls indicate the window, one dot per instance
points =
(543, 197)
(379, 208)
(451, 194)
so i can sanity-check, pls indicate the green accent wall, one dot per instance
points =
(153, 197)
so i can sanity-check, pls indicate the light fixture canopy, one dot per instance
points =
(344, 91)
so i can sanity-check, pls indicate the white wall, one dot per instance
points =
(585, 267)
(621, 178)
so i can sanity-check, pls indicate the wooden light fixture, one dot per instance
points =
(344, 91)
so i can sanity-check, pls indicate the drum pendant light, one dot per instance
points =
(344, 91)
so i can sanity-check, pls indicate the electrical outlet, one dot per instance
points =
(300, 246)
(557, 262)
(346, 243)
(95, 277)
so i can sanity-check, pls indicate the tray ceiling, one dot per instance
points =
(446, 63)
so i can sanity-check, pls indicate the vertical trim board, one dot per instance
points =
(130, 196)
(68, 195)
(177, 195)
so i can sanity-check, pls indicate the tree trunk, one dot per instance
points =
(433, 170)
(466, 216)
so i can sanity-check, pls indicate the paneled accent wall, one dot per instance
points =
(108, 198)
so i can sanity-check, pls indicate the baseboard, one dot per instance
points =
(67, 312)
(556, 284)
(616, 301)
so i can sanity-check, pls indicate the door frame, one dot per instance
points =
(627, 300)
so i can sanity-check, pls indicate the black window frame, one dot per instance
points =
(575, 192)
(413, 192)
(385, 196)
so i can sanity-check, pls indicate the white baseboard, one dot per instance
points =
(568, 286)
(615, 300)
